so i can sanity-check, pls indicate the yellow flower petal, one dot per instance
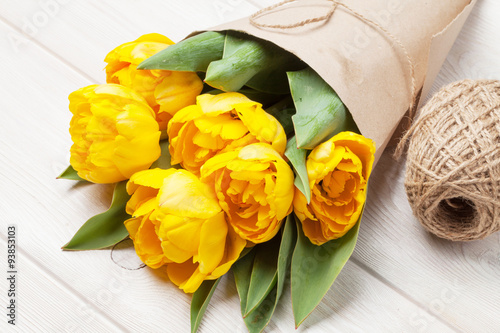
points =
(212, 243)
(262, 125)
(152, 178)
(220, 103)
(177, 90)
(234, 246)
(185, 275)
(181, 233)
(223, 125)
(132, 226)
(183, 194)
(143, 187)
(146, 242)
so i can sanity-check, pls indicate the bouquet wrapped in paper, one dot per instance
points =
(249, 147)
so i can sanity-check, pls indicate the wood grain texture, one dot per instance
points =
(46, 303)
(450, 280)
(82, 33)
(400, 278)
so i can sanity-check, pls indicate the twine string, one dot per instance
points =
(326, 17)
(113, 248)
(453, 163)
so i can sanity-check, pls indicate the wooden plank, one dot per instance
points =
(42, 302)
(82, 33)
(451, 280)
(357, 302)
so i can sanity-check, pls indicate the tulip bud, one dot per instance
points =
(338, 171)
(165, 91)
(114, 133)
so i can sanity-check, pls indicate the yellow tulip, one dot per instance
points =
(183, 226)
(220, 123)
(165, 91)
(254, 186)
(338, 170)
(114, 133)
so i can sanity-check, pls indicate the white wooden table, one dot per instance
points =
(400, 278)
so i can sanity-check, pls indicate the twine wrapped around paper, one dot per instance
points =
(326, 17)
(453, 164)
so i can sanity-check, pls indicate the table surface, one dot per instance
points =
(399, 279)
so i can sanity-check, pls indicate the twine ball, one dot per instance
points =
(452, 175)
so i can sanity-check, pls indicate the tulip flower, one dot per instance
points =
(338, 170)
(165, 91)
(220, 123)
(254, 186)
(114, 133)
(182, 227)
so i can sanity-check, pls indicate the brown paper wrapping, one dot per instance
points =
(366, 67)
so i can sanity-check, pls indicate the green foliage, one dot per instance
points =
(257, 307)
(70, 173)
(283, 112)
(320, 112)
(297, 157)
(315, 268)
(200, 301)
(190, 55)
(105, 229)
(252, 62)
(163, 162)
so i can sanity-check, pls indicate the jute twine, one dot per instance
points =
(453, 164)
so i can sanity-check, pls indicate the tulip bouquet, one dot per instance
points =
(228, 153)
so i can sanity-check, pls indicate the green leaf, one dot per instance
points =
(320, 112)
(260, 317)
(105, 229)
(163, 162)
(242, 271)
(192, 54)
(200, 301)
(264, 273)
(253, 62)
(283, 112)
(241, 61)
(266, 99)
(297, 157)
(275, 79)
(244, 253)
(70, 173)
(315, 268)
